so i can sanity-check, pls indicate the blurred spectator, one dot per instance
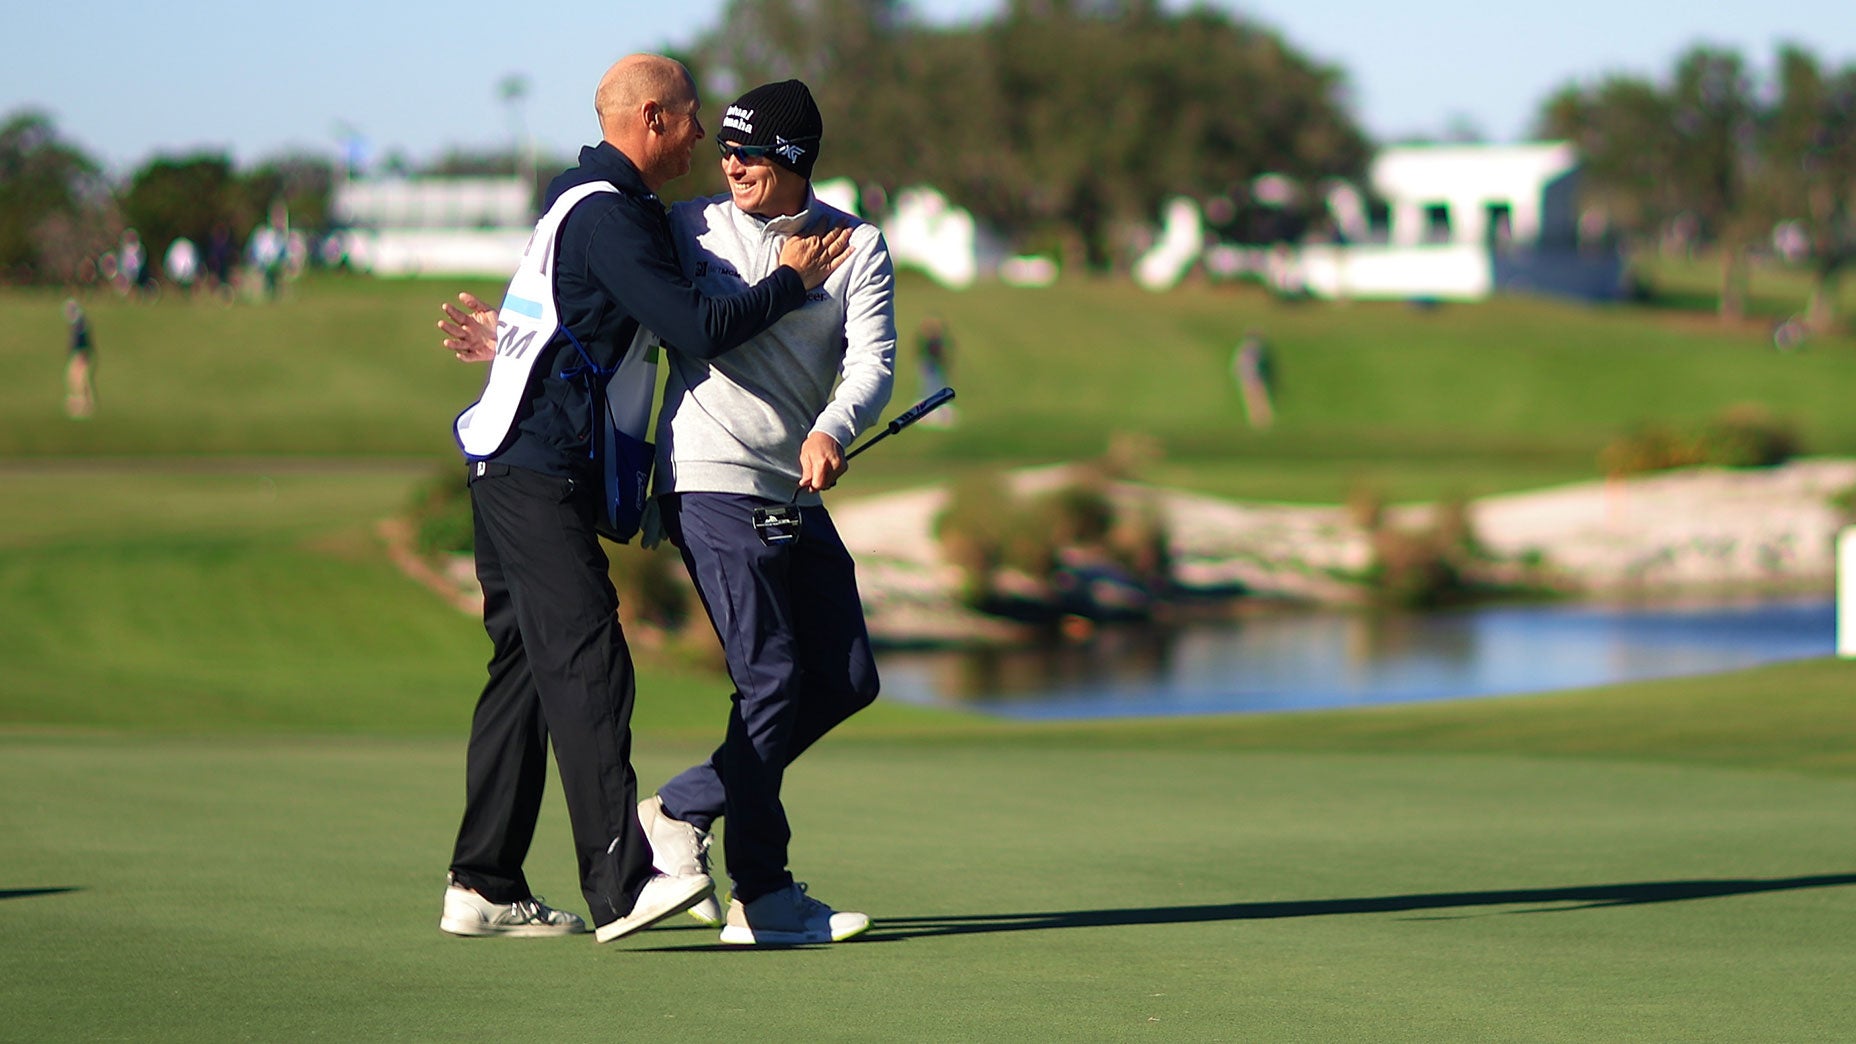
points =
(221, 251)
(1790, 335)
(182, 263)
(274, 249)
(267, 253)
(935, 352)
(131, 262)
(1255, 371)
(80, 392)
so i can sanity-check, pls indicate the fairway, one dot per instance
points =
(1512, 394)
(232, 732)
(283, 889)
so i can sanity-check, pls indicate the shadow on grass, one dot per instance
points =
(1554, 900)
(1586, 897)
(27, 893)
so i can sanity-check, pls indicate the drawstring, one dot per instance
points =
(595, 378)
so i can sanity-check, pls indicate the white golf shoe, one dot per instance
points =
(661, 896)
(789, 917)
(679, 849)
(469, 914)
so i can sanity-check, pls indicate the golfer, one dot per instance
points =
(759, 429)
(742, 435)
(560, 669)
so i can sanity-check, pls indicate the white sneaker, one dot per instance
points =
(789, 917)
(679, 849)
(661, 896)
(467, 913)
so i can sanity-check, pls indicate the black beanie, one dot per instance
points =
(779, 116)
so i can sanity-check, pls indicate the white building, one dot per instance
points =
(1465, 221)
(436, 226)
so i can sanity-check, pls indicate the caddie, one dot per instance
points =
(600, 266)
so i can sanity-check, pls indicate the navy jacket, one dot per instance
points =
(617, 269)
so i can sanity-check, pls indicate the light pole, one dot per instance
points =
(513, 90)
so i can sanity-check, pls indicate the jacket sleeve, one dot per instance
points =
(867, 375)
(631, 257)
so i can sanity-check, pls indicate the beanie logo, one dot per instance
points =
(787, 150)
(739, 119)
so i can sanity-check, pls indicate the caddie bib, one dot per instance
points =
(526, 328)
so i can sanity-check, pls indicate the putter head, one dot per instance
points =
(777, 525)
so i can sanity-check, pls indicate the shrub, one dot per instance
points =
(1139, 540)
(1131, 454)
(1423, 567)
(1747, 436)
(986, 528)
(1650, 447)
(1415, 569)
(973, 530)
(1366, 506)
(441, 516)
(1743, 436)
(1072, 515)
(1844, 503)
(654, 588)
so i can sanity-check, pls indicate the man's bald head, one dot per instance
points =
(647, 110)
(637, 81)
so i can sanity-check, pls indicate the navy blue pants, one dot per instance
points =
(559, 669)
(792, 630)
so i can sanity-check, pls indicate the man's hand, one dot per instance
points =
(470, 332)
(817, 252)
(821, 463)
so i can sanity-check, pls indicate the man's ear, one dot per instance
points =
(654, 117)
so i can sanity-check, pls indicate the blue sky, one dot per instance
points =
(126, 80)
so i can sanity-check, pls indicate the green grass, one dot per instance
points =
(1773, 291)
(231, 734)
(1511, 394)
(232, 756)
(286, 888)
(239, 596)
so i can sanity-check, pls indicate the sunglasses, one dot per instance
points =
(745, 153)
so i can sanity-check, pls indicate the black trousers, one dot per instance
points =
(792, 630)
(559, 669)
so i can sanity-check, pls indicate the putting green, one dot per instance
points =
(286, 888)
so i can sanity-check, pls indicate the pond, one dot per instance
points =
(1304, 660)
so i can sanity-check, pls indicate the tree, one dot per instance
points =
(1808, 173)
(1107, 109)
(1060, 122)
(54, 203)
(1707, 152)
(171, 197)
(1712, 111)
(850, 53)
(1623, 129)
(301, 182)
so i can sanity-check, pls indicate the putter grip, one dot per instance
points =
(920, 410)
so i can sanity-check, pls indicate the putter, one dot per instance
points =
(781, 524)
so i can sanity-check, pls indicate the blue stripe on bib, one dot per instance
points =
(522, 306)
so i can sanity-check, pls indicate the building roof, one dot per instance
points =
(1428, 172)
(435, 203)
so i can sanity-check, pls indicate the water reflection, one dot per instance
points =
(1332, 659)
